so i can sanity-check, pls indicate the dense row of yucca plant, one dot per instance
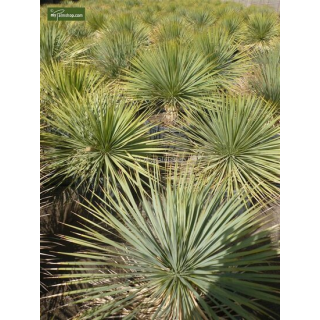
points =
(156, 242)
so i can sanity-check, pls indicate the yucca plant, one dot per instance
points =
(200, 19)
(88, 141)
(58, 45)
(54, 40)
(128, 23)
(237, 143)
(113, 52)
(149, 17)
(223, 9)
(44, 202)
(232, 23)
(181, 255)
(170, 76)
(132, 3)
(261, 31)
(171, 29)
(59, 81)
(172, 7)
(266, 80)
(78, 29)
(96, 21)
(221, 51)
(258, 9)
(155, 7)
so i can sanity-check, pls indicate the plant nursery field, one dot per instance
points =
(160, 169)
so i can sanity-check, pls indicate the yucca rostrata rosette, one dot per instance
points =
(91, 140)
(170, 76)
(181, 254)
(235, 142)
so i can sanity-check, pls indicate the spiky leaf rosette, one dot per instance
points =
(91, 140)
(200, 19)
(232, 23)
(78, 29)
(236, 142)
(149, 17)
(57, 45)
(113, 52)
(221, 10)
(222, 53)
(96, 21)
(266, 80)
(182, 255)
(54, 41)
(253, 9)
(170, 74)
(59, 81)
(128, 23)
(262, 31)
(171, 29)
